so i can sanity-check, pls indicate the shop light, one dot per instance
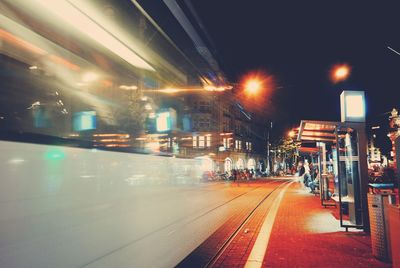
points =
(83, 23)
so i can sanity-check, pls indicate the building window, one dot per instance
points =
(248, 146)
(204, 123)
(227, 143)
(201, 141)
(169, 143)
(204, 106)
(226, 125)
(238, 144)
(237, 128)
(208, 141)
(194, 141)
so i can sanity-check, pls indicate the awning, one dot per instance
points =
(309, 150)
(317, 131)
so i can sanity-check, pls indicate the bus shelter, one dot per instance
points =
(343, 167)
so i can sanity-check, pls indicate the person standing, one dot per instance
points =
(307, 176)
(302, 170)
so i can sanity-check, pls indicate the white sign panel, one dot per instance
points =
(352, 106)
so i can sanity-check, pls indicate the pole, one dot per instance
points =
(268, 167)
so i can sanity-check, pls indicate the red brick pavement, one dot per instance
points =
(307, 235)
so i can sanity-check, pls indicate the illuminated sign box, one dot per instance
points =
(352, 106)
(85, 120)
(166, 120)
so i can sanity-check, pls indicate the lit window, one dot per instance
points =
(208, 141)
(169, 143)
(238, 144)
(201, 141)
(194, 141)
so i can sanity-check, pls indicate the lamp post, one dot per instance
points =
(268, 167)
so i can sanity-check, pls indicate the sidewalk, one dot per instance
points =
(305, 234)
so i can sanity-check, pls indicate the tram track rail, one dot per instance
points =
(239, 228)
(214, 259)
(177, 221)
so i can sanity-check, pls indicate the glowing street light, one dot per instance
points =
(340, 73)
(291, 134)
(253, 86)
(256, 84)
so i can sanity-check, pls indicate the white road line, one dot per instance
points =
(260, 246)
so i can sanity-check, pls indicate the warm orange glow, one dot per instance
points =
(21, 43)
(112, 135)
(340, 73)
(4, 35)
(219, 89)
(257, 84)
(291, 133)
(170, 90)
(64, 62)
(253, 86)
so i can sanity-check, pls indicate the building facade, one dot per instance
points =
(214, 128)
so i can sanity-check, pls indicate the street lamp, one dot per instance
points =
(252, 86)
(256, 85)
(340, 73)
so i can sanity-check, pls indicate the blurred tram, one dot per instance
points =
(88, 175)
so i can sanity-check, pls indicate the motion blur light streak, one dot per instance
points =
(16, 161)
(194, 89)
(80, 21)
(125, 87)
(21, 43)
(64, 62)
(32, 48)
(89, 77)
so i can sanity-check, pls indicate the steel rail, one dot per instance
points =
(229, 240)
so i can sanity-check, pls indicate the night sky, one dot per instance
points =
(297, 42)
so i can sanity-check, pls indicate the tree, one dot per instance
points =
(287, 150)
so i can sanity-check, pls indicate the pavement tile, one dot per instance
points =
(307, 235)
